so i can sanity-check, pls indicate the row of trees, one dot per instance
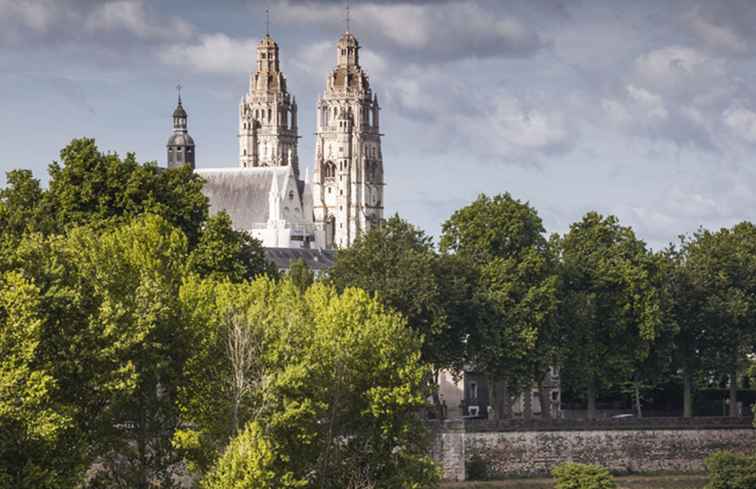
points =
(139, 336)
(500, 296)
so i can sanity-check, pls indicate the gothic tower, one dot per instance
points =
(180, 144)
(268, 115)
(348, 177)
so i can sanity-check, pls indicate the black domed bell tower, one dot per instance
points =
(180, 144)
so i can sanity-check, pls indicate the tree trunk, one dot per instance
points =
(506, 402)
(527, 403)
(687, 393)
(545, 396)
(493, 405)
(591, 398)
(733, 395)
(638, 408)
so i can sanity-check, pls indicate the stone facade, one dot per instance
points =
(639, 446)
(348, 177)
(268, 114)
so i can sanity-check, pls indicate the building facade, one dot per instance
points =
(348, 177)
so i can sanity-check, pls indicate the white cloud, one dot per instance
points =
(213, 53)
(742, 122)
(715, 33)
(130, 16)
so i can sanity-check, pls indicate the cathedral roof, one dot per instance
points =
(316, 259)
(180, 139)
(242, 192)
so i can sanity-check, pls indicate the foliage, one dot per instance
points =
(582, 476)
(223, 252)
(397, 262)
(515, 295)
(341, 385)
(611, 310)
(728, 470)
(301, 275)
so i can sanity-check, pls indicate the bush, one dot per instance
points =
(477, 469)
(582, 476)
(729, 470)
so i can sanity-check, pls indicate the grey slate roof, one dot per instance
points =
(317, 260)
(242, 192)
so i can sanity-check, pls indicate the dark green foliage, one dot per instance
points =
(728, 470)
(582, 476)
(223, 252)
(301, 275)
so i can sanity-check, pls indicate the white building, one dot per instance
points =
(348, 177)
(264, 194)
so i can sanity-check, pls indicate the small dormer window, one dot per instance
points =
(291, 195)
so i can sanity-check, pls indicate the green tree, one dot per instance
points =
(224, 252)
(337, 384)
(504, 240)
(301, 275)
(612, 309)
(397, 262)
(720, 268)
(32, 423)
(88, 186)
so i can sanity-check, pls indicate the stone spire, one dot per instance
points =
(348, 178)
(268, 114)
(180, 145)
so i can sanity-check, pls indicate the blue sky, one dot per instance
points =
(643, 109)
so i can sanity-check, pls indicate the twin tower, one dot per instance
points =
(265, 195)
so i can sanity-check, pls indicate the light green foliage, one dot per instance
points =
(341, 383)
(31, 422)
(223, 252)
(728, 470)
(612, 310)
(582, 476)
(301, 275)
(248, 462)
(516, 293)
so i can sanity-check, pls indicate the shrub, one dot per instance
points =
(582, 476)
(477, 469)
(729, 470)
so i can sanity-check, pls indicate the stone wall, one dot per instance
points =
(648, 445)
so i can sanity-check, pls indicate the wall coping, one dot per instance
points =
(601, 424)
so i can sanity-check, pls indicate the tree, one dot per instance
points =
(91, 187)
(339, 386)
(720, 268)
(611, 310)
(301, 275)
(223, 252)
(503, 239)
(397, 262)
(31, 421)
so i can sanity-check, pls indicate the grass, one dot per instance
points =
(625, 482)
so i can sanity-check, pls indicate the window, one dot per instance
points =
(473, 390)
(291, 195)
(554, 395)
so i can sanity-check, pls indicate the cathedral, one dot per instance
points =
(266, 194)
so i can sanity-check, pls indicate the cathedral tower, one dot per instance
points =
(180, 145)
(348, 178)
(268, 115)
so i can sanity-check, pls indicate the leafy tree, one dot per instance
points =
(720, 269)
(339, 383)
(223, 252)
(612, 310)
(397, 262)
(301, 275)
(91, 187)
(31, 421)
(728, 470)
(503, 239)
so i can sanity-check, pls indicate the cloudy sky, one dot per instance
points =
(643, 109)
